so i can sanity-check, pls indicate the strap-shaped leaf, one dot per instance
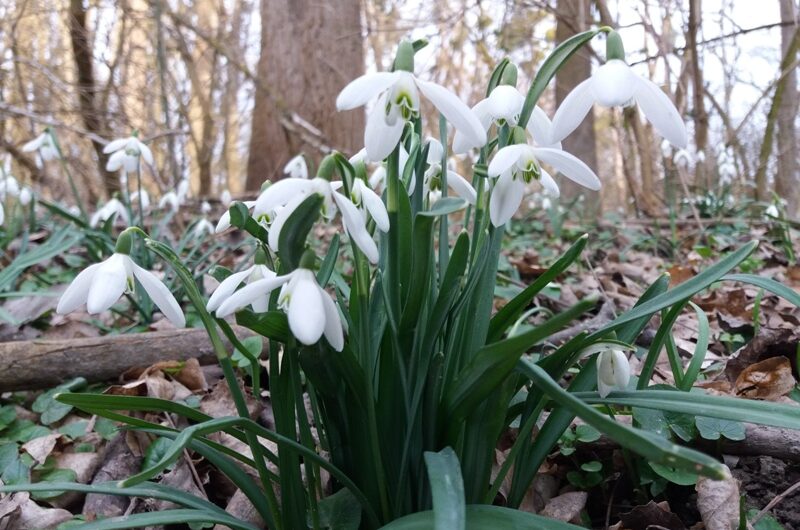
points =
(165, 517)
(447, 489)
(768, 284)
(703, 332)
(483, 517)
(292, 240)
(272, 324)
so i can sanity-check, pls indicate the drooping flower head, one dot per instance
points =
(613, 368)
(113, 207)
(126, 154)
(44, 144)
(296, 167)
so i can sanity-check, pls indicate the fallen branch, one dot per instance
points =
(45, 363)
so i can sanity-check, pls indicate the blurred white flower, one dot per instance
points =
(145, 197)
(614, 84)
(171, 200)
(25, 196)
(296, 167)
(112, 207)
(99, 286)
(205, 207)
(44, 144)
(126, 153)
(203, 228)
(398, 102)
(225, 197)
(772, 211)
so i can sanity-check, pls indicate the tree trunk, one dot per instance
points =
(699, 109)
(787, 179)
(87, 89)
(309, 51)
(573, 17)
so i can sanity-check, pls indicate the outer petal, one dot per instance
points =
(505, 102)
(541, 128)
(116, 161)
(306, 310)
(380, 138)
(78, 291)
(354, 223)
(115, 145)
(147, 154)
(462, 188)
(622, 369)
(364, 88)
(661, 112)
(549, 184)
(481, 110)
(248, 294)
(280, 193)
(456, 112)
(333, 324)
(160, 295)
(296, 167)
(375, 207)
(227, 288)
(506, 197)
(572, 167)
(572, 111)
(505, 158)
(110, 281)
(280, 219)
(224, 222)
(602, 388)
(34, 144)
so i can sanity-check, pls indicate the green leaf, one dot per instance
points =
(12, 469)
(241, 218)
(444, 206)
(592, 467)
(767, 522)
(167, 517)
(677, 476)
(713, 428)
(768, 284)
(447, 489)
(662, 423)
(703, 332)
(7, 416)
(74, 429)
(51, 410)
(56, 475)
(155, 452)
(326, 269)
(586, 433)
(292, 240)
(483, 517)
(340, 511)
(272, 324)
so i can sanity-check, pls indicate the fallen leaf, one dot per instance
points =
(769, 379)
(41, 447)
(566, 507)
(718, 502)
(649, 516)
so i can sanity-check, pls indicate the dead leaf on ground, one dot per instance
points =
(768, 343)
(718, 502)
(41, 447)
(24, 514)
(651, 515)
(566, 507)
(769, 379)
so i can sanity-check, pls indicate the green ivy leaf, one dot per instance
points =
(340, 511)
(56, 475)
(713, 428)
(155, 452)
(677, 476)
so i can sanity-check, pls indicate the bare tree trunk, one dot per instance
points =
(698, 91)
(87, 89)
(573, 17)
(787, 179)
(309, 51)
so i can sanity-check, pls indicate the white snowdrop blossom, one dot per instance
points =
(615, 84)
(296, 168)
(113, 207)
(398, 102)
(126, 153)
(205, 207)
(310, 310)
(99, 286)
(9, 187)
(202, 228)
(432, 179)
(225, 219)
(613, 371)
(772, 212)
(169, 199)
(503, 107)
(183, 190)
(248, 276)
(225, 197)
(515, 165)
(25, 196)
(145, 198)
(44, 145)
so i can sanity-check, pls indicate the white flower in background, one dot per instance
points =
(503, 107)
(682, 158)
(25, 196)
(378, 178)
(614, 84)
(9, 187)
(772, 212)
(205, 208)
(183, 190)
(515, 165)
(203, 228)
(126, 154)
(369, 203)
(44, 144)
(225, 198)
(432, 179)
(398, 102)
(361, 156)
(613, 371)
(145, 197)
(112, 207)
(170, 199)
(225, 220)
(311, 311)
(228, 286)
(99, 286)
(296, 168)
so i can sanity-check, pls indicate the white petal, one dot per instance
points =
(116, 161)
(147, 154)
(541, 128)
(34, 144)
(115, 145)
(506, 197)
(661, 112)
(375, 207)
(364, 88)
(227, 288)
(333, 324)
(549, 184)
(249, 294)
(224, 222)
(160, 295)
(602, 388)
(354, 224)
(613, 84)
(109, 282)
(78, 291)
(278, 194)
(572, 167)
(622, 369)
(456, 112)
(296, 167)
(462, 188)
(274, 235)
(306, 310)
(572, 111)
(505, 158)
(2, 215)
(435, 151)
(380, 138)
(505, 103)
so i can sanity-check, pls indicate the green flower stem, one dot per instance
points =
(139, 191)
(393, 207)
(444, 236)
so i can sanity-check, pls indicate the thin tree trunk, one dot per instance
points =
(309, 51)
(787, 179)
(698, 91)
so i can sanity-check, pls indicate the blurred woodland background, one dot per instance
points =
(226, 92)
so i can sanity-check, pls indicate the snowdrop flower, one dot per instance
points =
(126, 153)
(248, 276)
(517, 164)
(171, 200)
(112, 207)
(296, 168)
(25, 196)
(615, 84)
(772, 212)
(99, 286)
(225, 220)
(44, 144)
(145, 198)
(613, 371)
(682, 158)
(9, 187)
(398, 102)
(368, 202)
(202, 228)
(503, 107)
(205, 207)
(432, 179)
(225, 198)
(311, 311)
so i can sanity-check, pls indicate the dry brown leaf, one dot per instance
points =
(566, 507)
(27, 515)
(769, 379)
(718, 502)
(649, 516)
(41, 447)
